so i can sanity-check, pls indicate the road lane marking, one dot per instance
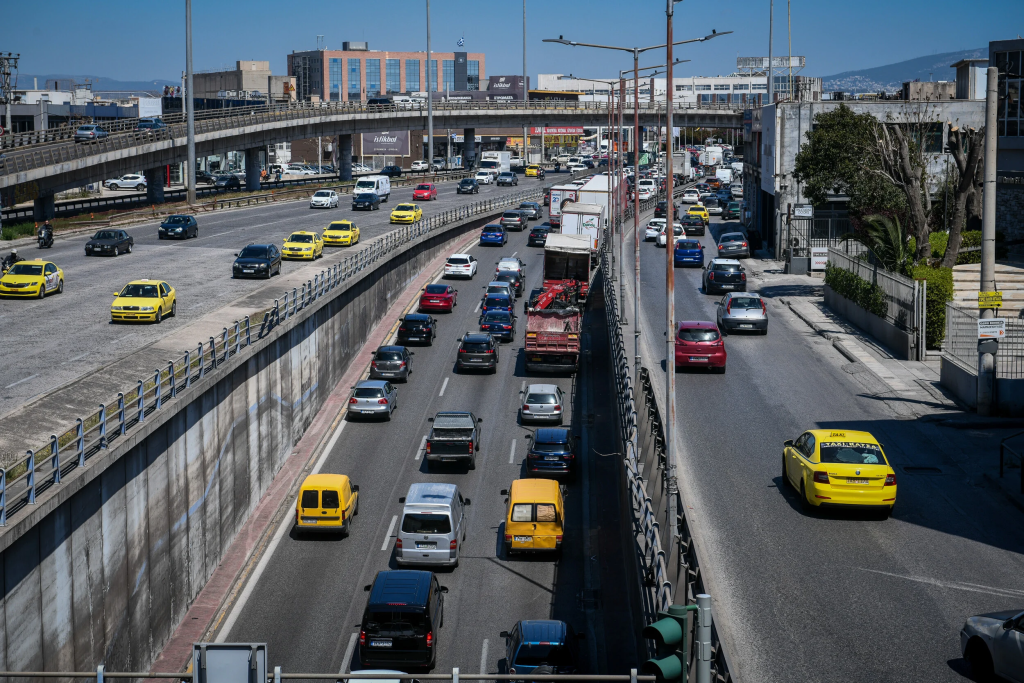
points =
(477, 309)
(512, 453)
(514, 253)
(330, 447)
(346, 662)
(483, 657)
(444, 386)
(423, 447)
(957, 585)
(21, 381)
(391, 527)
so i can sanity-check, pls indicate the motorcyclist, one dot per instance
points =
(45, 234)
(11, 259)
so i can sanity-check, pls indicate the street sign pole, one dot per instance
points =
(986, 361)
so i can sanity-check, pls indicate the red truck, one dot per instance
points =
(555, 314)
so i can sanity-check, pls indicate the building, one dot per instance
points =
(248, 80)
(65, 103)
(739, 89)
(1006, 55)
(357, 73)
(971, 79)
(928, 91)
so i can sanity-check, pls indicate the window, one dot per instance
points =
(684, 88)
(722, 86)
(759, 86)
(412, 75)
(354, 80)
(394, 75)
(809, 446)
(310, 499)
(334, 76)
(705, 98)
(426, 524)
(522, 512)
(702, 86)
(473, 74)
(741, 86)
(722, 98)
(331, 500)
(1009, 111)
(432, 79)
(448, 74)
(372, 77)
(851, 453)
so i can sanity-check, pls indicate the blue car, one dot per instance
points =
(541, 642)
(688, 252)
(499, 323)
(552, 451)
(496, 302)
(494, 234)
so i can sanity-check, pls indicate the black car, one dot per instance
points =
(257, 260)
(227, 182)
(468, 186)
(391, 362)
(538, 235)
(724, 275)
(391, 171)
(512, 277)
(109, 243)
(731, 211)
(692, 225)
(417, 327)
(662, 208)
(179, 227)
(552, 451)
(402, 620)
(477, 352)
(500, 324)
(532, 210)
(150, 124)
(366, 201)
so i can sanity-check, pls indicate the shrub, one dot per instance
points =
(940, 290)
(11, 232)
(865, 294)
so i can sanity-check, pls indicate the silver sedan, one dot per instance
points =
(742, 311)
(733, 245)
(993, 644)
(373, 398)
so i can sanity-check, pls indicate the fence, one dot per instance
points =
(903, 295)
(826, 229)
(40, 469)
(277, 676)
(961, 344)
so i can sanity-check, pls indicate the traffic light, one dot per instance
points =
(669, 635)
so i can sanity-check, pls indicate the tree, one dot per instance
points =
(887, 241)
(966, 146)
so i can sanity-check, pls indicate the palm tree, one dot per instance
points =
(888, 242)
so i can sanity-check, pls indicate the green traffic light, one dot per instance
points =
(668, 668)
(664, 632)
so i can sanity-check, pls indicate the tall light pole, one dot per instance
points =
(190, 126)
(771, 31)
(526, 97)
(430, 99)
(670, 304)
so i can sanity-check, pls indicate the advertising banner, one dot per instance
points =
(388, 143)
(557, 130)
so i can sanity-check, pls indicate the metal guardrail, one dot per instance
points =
(902, 294)
(961, 343)
(277, 675)
(23, 479)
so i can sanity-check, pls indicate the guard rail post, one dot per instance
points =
(157, 398)
(238, 337)
(225, 342)
(103, 427)
(188, 369)
(30, 479)
(213, 354)
(80, 442)
(173, 388)
(140, 401)
(121, 427)
(55, 458)
(248, 332)
(3, 496)
(202, 363)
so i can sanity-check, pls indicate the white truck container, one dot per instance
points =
(724, 174)
(560, 194)
(496, 162)
(711, 156)
(584, 219)
(596, 191)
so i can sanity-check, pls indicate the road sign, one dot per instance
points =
(819, 258)
(803, 211)
(990, 299)
(991, 328)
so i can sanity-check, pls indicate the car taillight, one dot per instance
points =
(890, 480)
(711, 276)
(401, 365)
(508, 538)
(353, 400)
(506, 327)
(526, 407)
(362, 638)
(401, 329)
(743, 244)
(568, 456)
(490, 350)
(453, 545)
(743, 277)
(558, 538)
(728, 306)
(821, 477)
(558, 409)
(398, 543)
(430, 639)
(720, 246)
(382, 401)
(373, 364)
(428, 448)
(764, 309)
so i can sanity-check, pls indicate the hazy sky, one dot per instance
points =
(145, 40)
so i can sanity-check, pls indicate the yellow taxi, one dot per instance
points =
(534, 171)
(148, 300)
(407, 213)
(303, 245)
(839, 468)
(327, 502)
(32, 279)
(699, 210)
(535, 517)
(341, 234)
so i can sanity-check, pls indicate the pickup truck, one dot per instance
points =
(454, 437)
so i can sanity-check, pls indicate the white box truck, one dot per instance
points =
(711, 156)
(496, 162)
(560, 195)
(584, 219)
(596, 191)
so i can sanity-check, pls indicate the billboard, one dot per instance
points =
(388, 143)
(557, 130)
(505, 87)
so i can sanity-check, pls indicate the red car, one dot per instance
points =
(699, 344)
(438, 298)
(424, 192)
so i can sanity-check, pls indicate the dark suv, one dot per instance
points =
(257, 260)
(662, 208)
(477, 352)
(468, 186)
(512, 277)
(692, 225)
(534, 643)
(552, 451)
(401, 621)
(514, 219)
(417, 327)
(391, 171)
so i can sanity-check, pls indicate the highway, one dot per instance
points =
(308, 602)
(51, 342)
(824, 597)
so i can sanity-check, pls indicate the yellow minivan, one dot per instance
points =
(535, 519)
(327, 502)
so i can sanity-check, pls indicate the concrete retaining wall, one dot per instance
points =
(898, 341)
(107, 564)
(963, 384)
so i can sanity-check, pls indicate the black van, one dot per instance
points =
(380, 101)
(401, 621)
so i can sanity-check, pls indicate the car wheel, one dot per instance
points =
(174, 309)
(159, 316)
(978, 656)
(804, 502)
(42, 291)
(112, 186)
(128, 249)
(60, 286)
(140, 188)
(785, 478)
(117, 251)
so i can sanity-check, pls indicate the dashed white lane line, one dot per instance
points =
(346, 662)
(483, 657)
(423, 447)
(512, 453)
(477, 309)
(22, 381)
(514, 253)
(391, 528)
(444, 386)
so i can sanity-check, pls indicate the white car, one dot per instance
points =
(577, 168)
(484, 177)
(510, 263)
(677, 229)
(298, 170)
(420, 165)
(691, 197)
(653, 230)
(460, 265)
(132, 181)
(324, 199)
(647, 193)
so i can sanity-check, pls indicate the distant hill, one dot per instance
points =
(891, 76)
(99, 83)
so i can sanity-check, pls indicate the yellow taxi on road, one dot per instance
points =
(148, 300)
(535, 517)
(32, 279)
(327, 502)
(700, 210)
(534, 171)
(341, 234)
(303, 245)
(407, 213)
(839, 468)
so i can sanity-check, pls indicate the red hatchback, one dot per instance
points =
(438, 298)
(424, 192)
(699, 344)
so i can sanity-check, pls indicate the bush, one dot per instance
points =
(940, 290)
(11, 232)
(868, 296)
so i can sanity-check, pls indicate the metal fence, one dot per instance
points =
(825, 229)
(23, 479)
(902, 294)
(961, 344)
(100, 674)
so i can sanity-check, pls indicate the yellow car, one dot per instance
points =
(32, 278)
(148, 300)
(407, 213)
(327, 502)
(303, 245)
(699, 210)
(534, 171)
(833, 468)
(341, 234)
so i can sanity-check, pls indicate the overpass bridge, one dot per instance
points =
(52, 162)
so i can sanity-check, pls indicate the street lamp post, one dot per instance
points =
(430, 100)
(190, 126)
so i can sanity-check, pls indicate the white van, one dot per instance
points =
(433, 525)
(378, 184)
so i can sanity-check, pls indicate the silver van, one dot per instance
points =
(433, 525)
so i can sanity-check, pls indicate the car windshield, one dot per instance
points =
(526, 207)
(365, 197)
(140, 291)
(851, 453)
(497, 317)
(25, 269)
(177, 220)
(437, 289)
(506, 276)
(344, 227)
(105, 235)
(458, 261)
(482, 174)
(687, 244)
(366, 185)
(476, 347)
(405, 207)
(533, 654)
(423, 187)
(386, 621)
(725, 267)
(698, 334)
(322, 193)
(467, 181)
(497, 301)
(745, 302)
(368, 392)
(295, 237)
(542, 399)
(426, 524)
(253, 252)
(735, 237)
(388, 355)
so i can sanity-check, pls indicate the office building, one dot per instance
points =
(248, 80)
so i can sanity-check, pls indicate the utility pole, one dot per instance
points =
(771, 29)
(619, 178)
(636, 214)
(789, 32)
(986, 361)
(190, 126)
(526, 98)
(430, 99)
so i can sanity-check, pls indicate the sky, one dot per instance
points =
(146, 40)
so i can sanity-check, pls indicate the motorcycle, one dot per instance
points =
(45, 238)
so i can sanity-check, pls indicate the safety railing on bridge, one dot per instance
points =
(24, 478)
(100, 674)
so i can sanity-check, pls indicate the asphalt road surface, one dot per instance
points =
(51, 342)
(308, 602)
(825, 596)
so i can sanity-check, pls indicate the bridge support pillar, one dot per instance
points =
(155, 184)
(43, 208)
(469, 148)
(345, 156)
(252, 169)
